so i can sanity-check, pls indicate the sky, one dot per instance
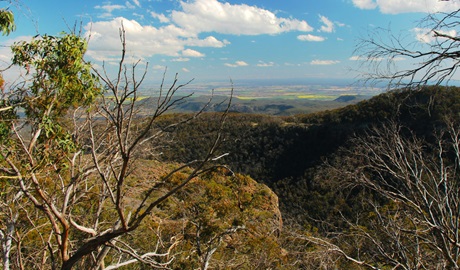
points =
(215, 40)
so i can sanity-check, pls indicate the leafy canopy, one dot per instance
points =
(7, 24)
(61, 79)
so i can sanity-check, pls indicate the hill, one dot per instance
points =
(266, 105)
(286, 153)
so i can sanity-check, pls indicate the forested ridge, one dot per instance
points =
(305, 159)
(286, 153)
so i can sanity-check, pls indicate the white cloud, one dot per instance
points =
(109, 8)
(137, 15)
(207, 42)
(365, 4)
(423, 35)
(142, 41)
(129, 5)
(263, 64)
(328, 26)
(292, 65)
(181, 59)
(184, 28)
(324, 62)
(161, 17)
(212, 16)
(397, 59)
(192, 53)
(136, 2)
(310, 38)
(426, 35)
(237, 64)
(406, 6)
(356, 58)
(185, 70)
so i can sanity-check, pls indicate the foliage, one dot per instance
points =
(61, 79)
(224, 221)
(7, 24)
(288, 153)
(73, 158)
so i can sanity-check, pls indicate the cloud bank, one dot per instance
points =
(213, 16)
(195, 24)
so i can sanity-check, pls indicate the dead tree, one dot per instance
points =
(432, 59)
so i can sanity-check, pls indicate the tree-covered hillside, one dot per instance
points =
(286, 152)
(348, 177)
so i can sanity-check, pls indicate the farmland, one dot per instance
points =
(274, 97)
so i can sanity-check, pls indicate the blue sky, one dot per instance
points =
(213, 40)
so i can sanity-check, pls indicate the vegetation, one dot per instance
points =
(94, 176)
(289, 153)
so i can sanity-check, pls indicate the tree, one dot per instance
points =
(61, 80)
(72, 156)
(410, 203)
(7, 24)
(436, 53)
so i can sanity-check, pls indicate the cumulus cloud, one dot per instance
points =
(192, 53)
(187, 27)
(406, 6)
(324, 62)
(310, 38)
(212, 16)
(237, 64)
(207, 42)
(328, 26)
(143, 41)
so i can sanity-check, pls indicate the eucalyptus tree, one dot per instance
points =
(72, 144)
